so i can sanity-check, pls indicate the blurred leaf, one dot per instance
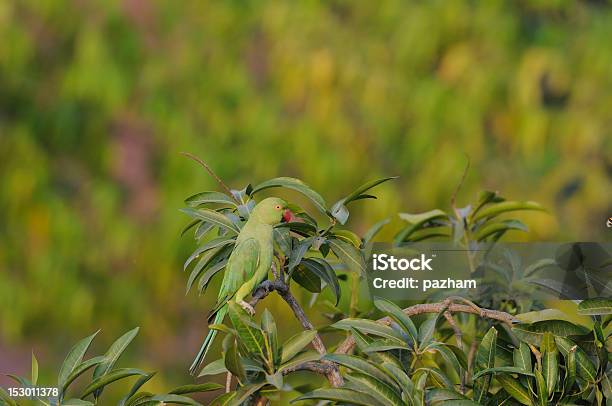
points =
(307, 279)
(213, 368)
(499, 227)
(374, 230)
(595, 307)
(496, 209)
(34, 373)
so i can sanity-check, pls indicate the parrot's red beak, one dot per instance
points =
(288, 216)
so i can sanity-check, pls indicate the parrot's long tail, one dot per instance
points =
(199, 359)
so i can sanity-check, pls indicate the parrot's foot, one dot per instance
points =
(249, 309)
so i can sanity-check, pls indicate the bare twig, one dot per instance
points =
(211, 173)
(347, 345)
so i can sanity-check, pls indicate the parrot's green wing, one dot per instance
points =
(240, 267)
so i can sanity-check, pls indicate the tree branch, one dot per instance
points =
(264, 289)
(349, 343)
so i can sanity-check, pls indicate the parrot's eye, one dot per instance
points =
(277, 207)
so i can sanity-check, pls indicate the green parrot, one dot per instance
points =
(247, 265)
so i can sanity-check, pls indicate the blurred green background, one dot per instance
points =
(97, 99)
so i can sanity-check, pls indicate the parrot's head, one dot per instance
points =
(272, 210)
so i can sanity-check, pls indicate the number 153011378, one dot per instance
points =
(29, 392)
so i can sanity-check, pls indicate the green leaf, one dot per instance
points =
(196, 388)
(485, 359)
(533, 333)
(297, 185)
(398, 315)
(541, 386)
(348, 254)
(233, 364)
(275, 380)
(515, 389)
(584, 366)
(426, 331)
(244, 393)
(442, 396)
(213, 368)
(323, 270)
(522, 357)
(416, 221)
(111, 377)
(541, 315)
(499, 227)
(73, 359)
(595, 307)
(450, 356)
(249, 333)
(360, 365)
(307, 279)
(113, 354)
(34, 374)
(80, 369)
(496, 209)
(298, 253)
(268, 325)
(212, 217)
(297, 343)
(550, 363)
(371, 386)
(135, 388)
(438, 377)
(339, 210)
(6, 398)
(570, 369)
(209, 197)
(307, 356)
(210, 245)
(369, 327)
(375, 229)
(497, 370)
(341, 395)
(282, 239)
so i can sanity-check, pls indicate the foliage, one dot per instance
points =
(104, 374)
(546, 361)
